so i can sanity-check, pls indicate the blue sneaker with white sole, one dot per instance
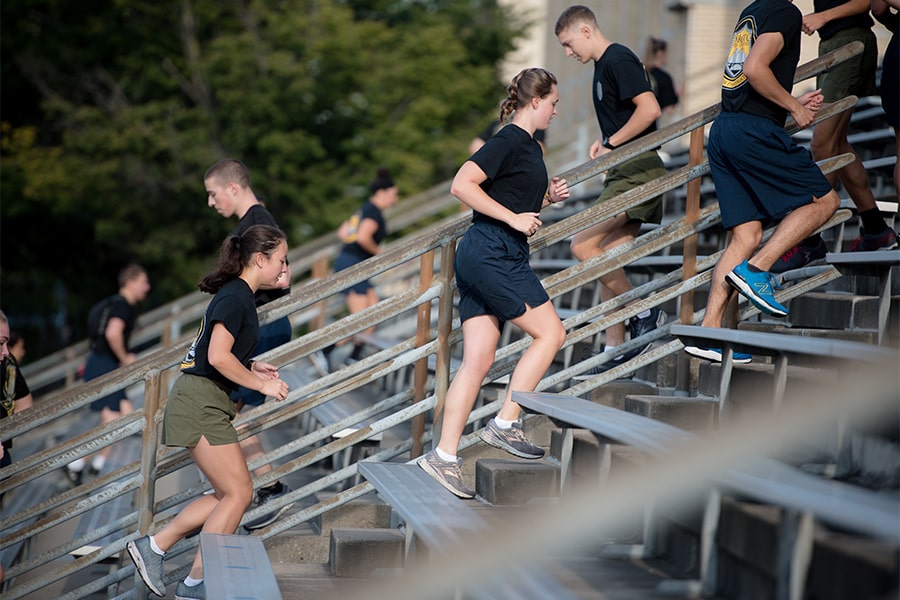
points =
(715, 354)
(758, 287)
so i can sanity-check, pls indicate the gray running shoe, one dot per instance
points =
(264, 496)
(186, 592)
(148, 563)
(446, 473)
(512, 440)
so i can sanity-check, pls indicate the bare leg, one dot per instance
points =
(795, 227)
(543, 325)
(743, 239)
(226, 470)
(480, 336)
(601, 238)
(830, 139)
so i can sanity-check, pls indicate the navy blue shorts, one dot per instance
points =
(346, 260)
(759, 172)
(494, 276)
(101, 364)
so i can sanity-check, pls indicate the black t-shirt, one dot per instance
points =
(98, 319)
(663, 87)
(368, 211)
(517, 176)
(619, 76)
(494, 127)
(832, 27)
(232, 306)
(12, 387)
(763, 16)
(258, 215)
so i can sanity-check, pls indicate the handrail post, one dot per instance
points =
(691, 212)
(445, 322)
(147, 493)
(320, 271)
(423, 329)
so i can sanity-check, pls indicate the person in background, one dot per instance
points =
(110, 323)
(229, 192)
(199, 411)
(17, 346)
(890, 74)
(16, 396)
(655, 58)
(761, 175)
(626, 109)
(505, 184)
(839, 22)
(364, 241)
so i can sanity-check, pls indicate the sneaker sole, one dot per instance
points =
(278, 513)
(745, 290)
(498, 444)
(142, 568)
(715, 357)
(423, 464)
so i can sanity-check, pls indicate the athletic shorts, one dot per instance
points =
(629, 175)
(855, 75)
(198, 406)
(101, 364)
(759, 172)
(494, 276)
(346, 260)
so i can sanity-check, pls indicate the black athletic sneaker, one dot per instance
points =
(799, 256)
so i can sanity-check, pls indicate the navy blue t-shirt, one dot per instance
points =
(763, 16)
(619, 76)
(517, 176)
(233, 307)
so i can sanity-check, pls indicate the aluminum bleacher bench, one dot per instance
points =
(780, 346)
(446, 525)
(802, 495)
(879, 263)
(236, 567)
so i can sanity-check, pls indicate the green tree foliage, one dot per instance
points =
(112, 111)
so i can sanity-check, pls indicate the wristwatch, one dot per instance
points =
(606, 143)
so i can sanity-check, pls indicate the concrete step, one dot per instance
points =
(697, 413)
(359, 552)
(846, 311)
(511, 482)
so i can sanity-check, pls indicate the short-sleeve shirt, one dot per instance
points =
(663, 87)
(494, 126)
(763, 16)
(832, 27)
(114, 306)
(619, 76)
(233, 307)
(368, 211)
(516, 174)
(259, 215)
(12, 387)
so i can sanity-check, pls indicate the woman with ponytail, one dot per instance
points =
(505, 184)
(199, 410)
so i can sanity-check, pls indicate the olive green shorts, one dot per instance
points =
(629, 175)
(197, 407)
(853, 76)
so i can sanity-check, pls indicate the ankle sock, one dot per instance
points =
(643, 314)
(98, 463)
(156, 548)
(191, 582)
(275, 488)
(77, 465)
(503, 423)
(444, 456)
(872, 221)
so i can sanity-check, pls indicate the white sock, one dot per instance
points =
(643, 314)
(503, 423)
(191, 582)
(98, 462)
(607, 348)
(156, 548)
(444, 456)
(77, 465)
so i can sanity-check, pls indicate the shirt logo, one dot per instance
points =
(741, 42)
(599, 91)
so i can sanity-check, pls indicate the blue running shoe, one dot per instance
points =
(758, 287)
(715, 354)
